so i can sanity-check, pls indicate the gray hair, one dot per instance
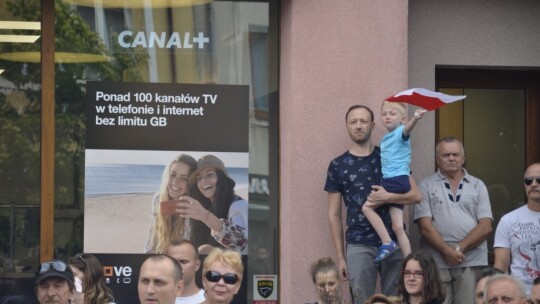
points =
(508, 278)
(449, 139)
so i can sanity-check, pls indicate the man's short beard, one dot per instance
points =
(362, 141)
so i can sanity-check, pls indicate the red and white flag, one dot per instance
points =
(425, 98)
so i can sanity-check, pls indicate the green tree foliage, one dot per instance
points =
(20, 129)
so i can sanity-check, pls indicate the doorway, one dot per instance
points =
(499, 125)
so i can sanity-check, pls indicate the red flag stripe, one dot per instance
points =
(424, 98)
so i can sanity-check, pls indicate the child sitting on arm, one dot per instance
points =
(395, 160)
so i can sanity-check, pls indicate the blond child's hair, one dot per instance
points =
(399, 106)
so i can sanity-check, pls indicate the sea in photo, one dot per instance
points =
(113, 179)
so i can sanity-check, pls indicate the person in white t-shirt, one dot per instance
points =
(517, 238)
(188, 256)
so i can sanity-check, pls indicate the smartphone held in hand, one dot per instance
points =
(168, 207)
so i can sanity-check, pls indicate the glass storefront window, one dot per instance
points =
(20, 108)
(165, 42)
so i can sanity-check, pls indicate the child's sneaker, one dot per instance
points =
(385, 251)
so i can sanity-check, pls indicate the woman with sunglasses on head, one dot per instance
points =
(220, 216)
(89, 271)
(420, 283)
(168, 226)
(222, 275)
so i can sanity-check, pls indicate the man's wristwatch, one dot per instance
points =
(457, 248)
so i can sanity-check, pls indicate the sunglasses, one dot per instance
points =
(80, 256)
(529, 180)
(228, 278)
(56, 265)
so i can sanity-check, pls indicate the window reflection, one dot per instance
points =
(19, 152)
(222, 42)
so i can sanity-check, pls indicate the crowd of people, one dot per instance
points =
(451, 208)
(163, 278)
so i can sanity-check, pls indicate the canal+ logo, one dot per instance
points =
(162, 40)
(117, 274)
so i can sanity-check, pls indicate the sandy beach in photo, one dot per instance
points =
(117, 223)
(120, 223)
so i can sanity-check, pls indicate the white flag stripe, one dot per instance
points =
(442, 97)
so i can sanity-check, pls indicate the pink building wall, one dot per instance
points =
(333, 54)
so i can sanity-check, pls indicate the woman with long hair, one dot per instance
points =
(164, 228)
(89, 271)
(220, 216)
(420, 281)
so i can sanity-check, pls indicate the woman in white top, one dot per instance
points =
(219, 216)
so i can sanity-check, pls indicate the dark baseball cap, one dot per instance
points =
(54, 268)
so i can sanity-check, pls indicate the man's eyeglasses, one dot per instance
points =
(228, 278)
(529, 180)
(80, 256)
(56, 265)
(416, 274)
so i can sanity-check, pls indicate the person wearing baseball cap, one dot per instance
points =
(55, 283)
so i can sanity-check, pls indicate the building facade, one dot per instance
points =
(305, 63)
